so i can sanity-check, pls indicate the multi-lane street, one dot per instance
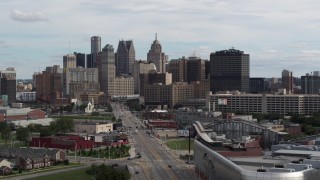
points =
(156, 162)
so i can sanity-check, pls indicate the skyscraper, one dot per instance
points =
(106, 68)
(287, 81)
(80, 59)
(95, 49)
(125, 57)
(95, 44)
(229, 71)
(69, 61)
(156, 56)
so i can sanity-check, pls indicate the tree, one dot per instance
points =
(23, 134)
(6, 134)
(62, 125)
(45, 131)
(82, 107)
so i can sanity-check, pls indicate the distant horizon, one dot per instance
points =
(37, 34)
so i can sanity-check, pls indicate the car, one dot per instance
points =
(137, 172)
(169, 166)
(138, 156)
(130, 158)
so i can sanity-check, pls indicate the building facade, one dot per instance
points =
(287, 81)
(264, 103)
(80, 79)
(156, 56)
(125, 57)
(48, 86)
(106, 67)
(310, 84)
(230, 70)
(140, 67)
(154, 78)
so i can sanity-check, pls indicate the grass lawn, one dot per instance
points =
(182, 144)
(76, 174)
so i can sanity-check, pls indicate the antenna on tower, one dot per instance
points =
(156, 36)
(69, 47)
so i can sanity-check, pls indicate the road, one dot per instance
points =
(157, 162)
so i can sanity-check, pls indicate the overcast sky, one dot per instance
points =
(277, 34)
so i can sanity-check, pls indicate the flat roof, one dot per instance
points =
(254, 163)
(298, 152)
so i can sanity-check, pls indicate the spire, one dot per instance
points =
(156, 36)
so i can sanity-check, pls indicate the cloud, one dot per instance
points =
(3, 44)
(18, 15)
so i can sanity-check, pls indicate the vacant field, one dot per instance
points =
(76, 174)
(182, 144)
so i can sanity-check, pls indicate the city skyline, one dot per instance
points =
(37, 34)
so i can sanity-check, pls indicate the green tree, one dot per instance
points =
(23, 134)
(82, 107)
(46, 131)
(6, 134)
(62, 125)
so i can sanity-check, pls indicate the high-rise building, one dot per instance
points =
(80, 59)
(287, 81)
(69, 61)
(95, 44)
(125, 57)
(9, 72)
(79, 80)
(140, 67)
(95, 49)
(154, 78)
(188, 70)
(9, 88)
(8, 84)
(195, 69)
(106, 68)
(258, 85)
(178, 69)
(156, 56)
(310, 84)
(49, 85)
(230, 70)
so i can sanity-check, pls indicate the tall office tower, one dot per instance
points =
(258, 85)
(229, 71)
(156, 56)
(69, 61)
(9, 88)
(106, 68)
(188, 70)
(140, 67)
(95, 44)
(95, 49)
(80, 59)
(8, 85)
(207, 71)
(178, 69)
(310, 83)
(125, 57)
(9, 72)
(195, 69)
(287, 81)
